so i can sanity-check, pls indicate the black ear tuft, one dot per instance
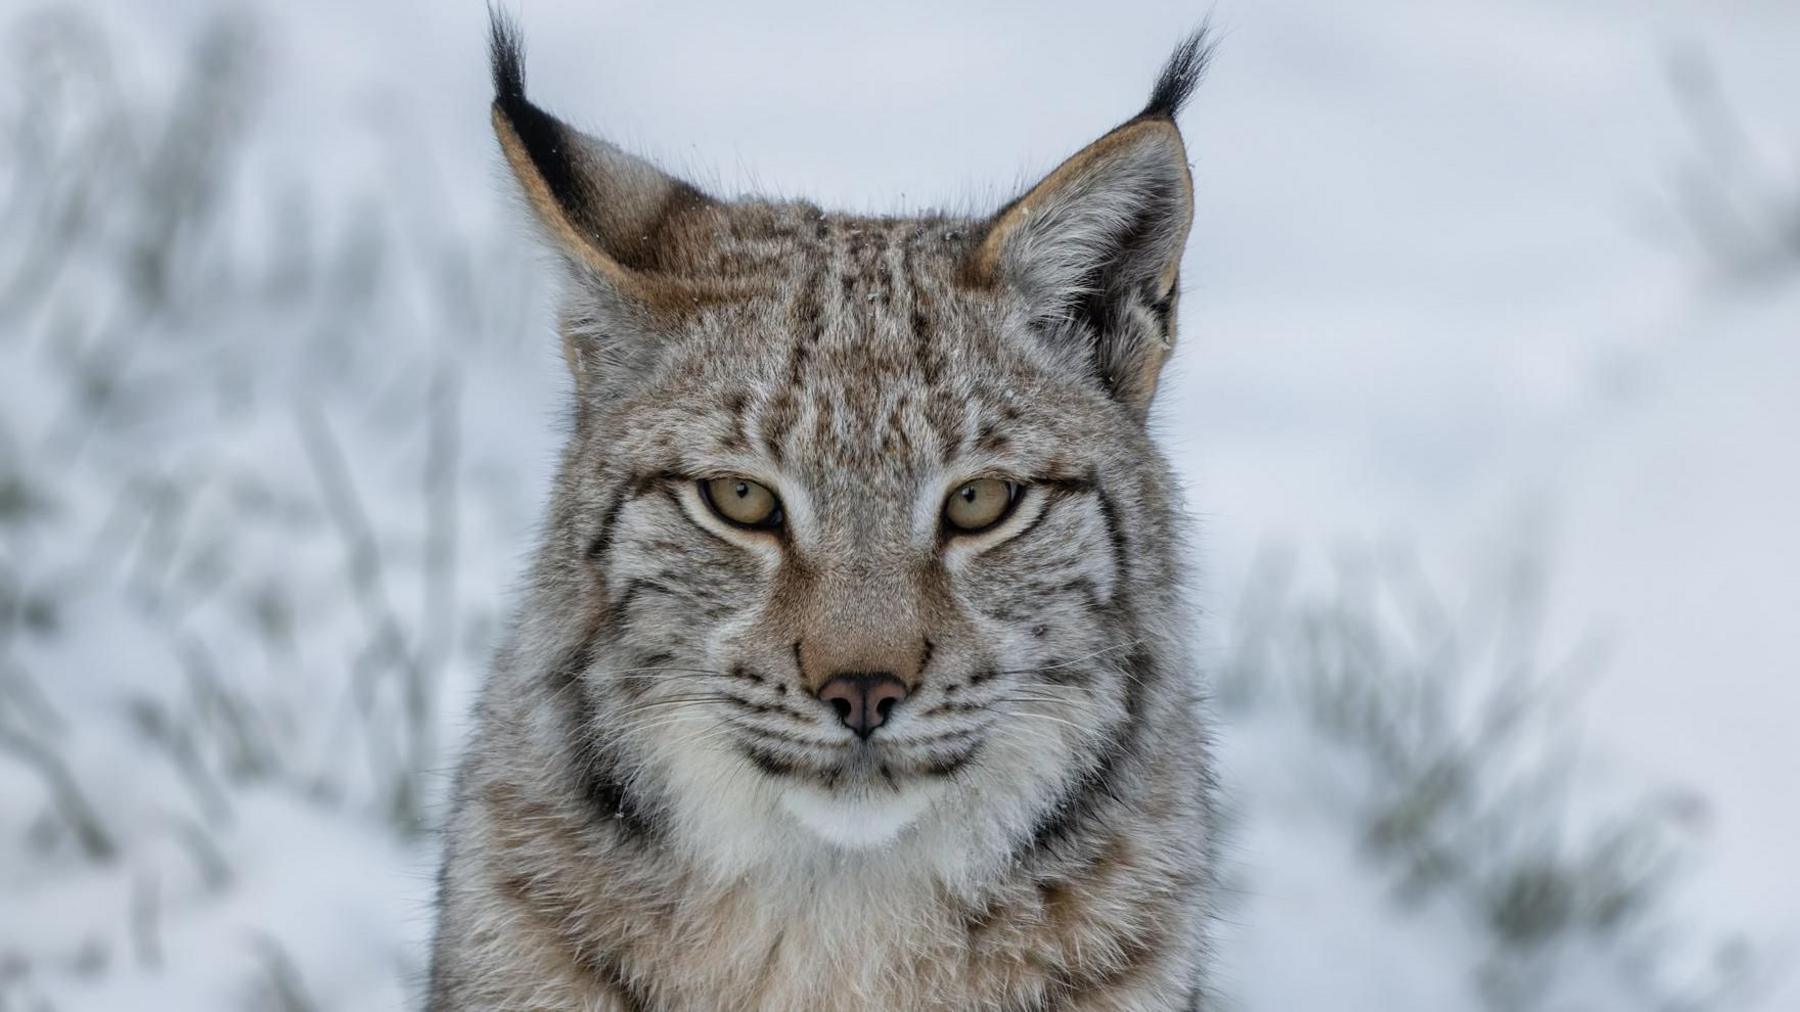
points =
(544, 138)
(1186, 66)
(506, 53)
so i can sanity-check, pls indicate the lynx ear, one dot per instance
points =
(1095, 248)
(612, 215)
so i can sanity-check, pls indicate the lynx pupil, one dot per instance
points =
(742, 502)
(980, 504)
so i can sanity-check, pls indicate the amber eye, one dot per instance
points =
(980, 504)
(742, 502)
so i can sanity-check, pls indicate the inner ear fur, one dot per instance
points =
(1095, 251)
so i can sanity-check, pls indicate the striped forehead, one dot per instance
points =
(867, 357)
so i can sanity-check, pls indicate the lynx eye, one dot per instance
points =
(980, 504)
(742, 502)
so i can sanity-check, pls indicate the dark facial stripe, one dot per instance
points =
(761, 709)
(1071, 484)
(1140, 673)
(737, 439)
(1083, 806)
(622, 605)
(1056, 489)
(1043, 514)
(775, 422)
(601, 776)
(806, 320)
(949, 767)
(1083, 588)
(634, 685)
(766, 761)
(602, 543)
(565, 678)
(1115, 535)
(942, 409)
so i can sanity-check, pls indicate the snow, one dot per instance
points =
(1444, 292)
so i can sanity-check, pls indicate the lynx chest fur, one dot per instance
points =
(851, 673)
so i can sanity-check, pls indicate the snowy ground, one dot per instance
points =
(1503, 289)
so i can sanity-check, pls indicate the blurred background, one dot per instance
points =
(1486, 401)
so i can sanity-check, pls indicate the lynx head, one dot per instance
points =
(859, 528)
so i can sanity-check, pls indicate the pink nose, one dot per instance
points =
(863, 701)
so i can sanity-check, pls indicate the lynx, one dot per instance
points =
(851, 672)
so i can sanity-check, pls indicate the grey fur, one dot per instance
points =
(655, 812)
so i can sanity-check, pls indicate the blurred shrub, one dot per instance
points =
(232, 483)
(1739, 201)
(1468, 787)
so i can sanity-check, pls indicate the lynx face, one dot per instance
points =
(862, 510)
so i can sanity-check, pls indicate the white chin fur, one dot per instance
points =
(858, 821)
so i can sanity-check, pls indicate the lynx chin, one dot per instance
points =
(851, 672)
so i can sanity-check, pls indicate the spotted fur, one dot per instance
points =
(657, 812)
